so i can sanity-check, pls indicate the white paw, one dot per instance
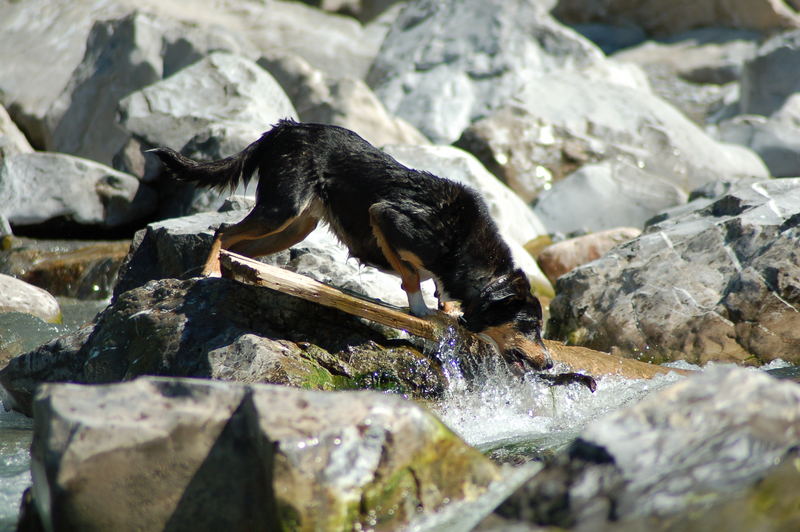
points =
(417, 305)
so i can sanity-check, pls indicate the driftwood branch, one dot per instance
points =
(253, 272)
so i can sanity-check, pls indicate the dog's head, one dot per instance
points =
(511, 316)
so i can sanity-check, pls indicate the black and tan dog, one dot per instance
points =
(405, 221)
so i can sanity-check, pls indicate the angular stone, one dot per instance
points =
(445, 64)
(679, 455)
(223, 456)
(718, 283)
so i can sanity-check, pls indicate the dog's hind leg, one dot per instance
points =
(259, 224)
(382, 217)
(295, 232)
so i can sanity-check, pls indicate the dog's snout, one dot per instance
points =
(537, 361)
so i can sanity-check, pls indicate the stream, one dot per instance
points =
(513, 420)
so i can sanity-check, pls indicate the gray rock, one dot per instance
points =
(122, 56)
(770, 77)
(38, 187)
(12, 141)
(445, 64)
(222, 329)
(345, 102)
(565, 121)
(702, 441)
(675, 17)
(606, 195)
(214, 456)
(515, 220)
(775, 139)
(718, 283)
(224, 100)
(19, 296)
(59, 29)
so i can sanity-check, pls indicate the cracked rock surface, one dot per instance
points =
(721, 282)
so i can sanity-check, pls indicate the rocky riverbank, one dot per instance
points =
(642, 163)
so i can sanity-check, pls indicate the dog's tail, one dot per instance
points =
(222, 175)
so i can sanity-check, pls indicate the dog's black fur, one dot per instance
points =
(392, 217)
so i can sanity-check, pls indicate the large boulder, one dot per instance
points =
(122, 56)
(665, 18)
(223, 102)
(19, 296)
(718, 283)
(40, 187)
(445, 64)
(223, 329)
(565, 121)
(214, 456)
(769, 78)
(602, 196)
(515, 220)
(681, 454)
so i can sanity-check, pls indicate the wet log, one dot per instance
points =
(250, 271)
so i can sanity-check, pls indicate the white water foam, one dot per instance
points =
(495, 406)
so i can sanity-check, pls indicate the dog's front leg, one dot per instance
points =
(417, 303)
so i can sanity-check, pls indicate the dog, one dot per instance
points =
(403, 221)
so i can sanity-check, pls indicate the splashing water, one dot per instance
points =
(495, 407)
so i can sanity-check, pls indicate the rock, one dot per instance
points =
(58, 29)
(557, 259)
(704, 440)
(77, 269)
(210, 110)
(707, 55)
(222, 456)
(611, 38)
(222, 329)
(46, 187)
(445, 64)
(717, 283)
(604, 196)
(669, 18)
(19, 296)
(345, 102)
(12, 141)
(774, 139)
(516, 221)
(768, 79)
(142, 50)
(697, 71)
(565, 121)
(222, 103)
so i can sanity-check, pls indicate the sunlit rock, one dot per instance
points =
(18, 296)
(681, 453)
(721, 282)
(225, 456)
(41, 187)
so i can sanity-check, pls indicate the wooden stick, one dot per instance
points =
(250, 271)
